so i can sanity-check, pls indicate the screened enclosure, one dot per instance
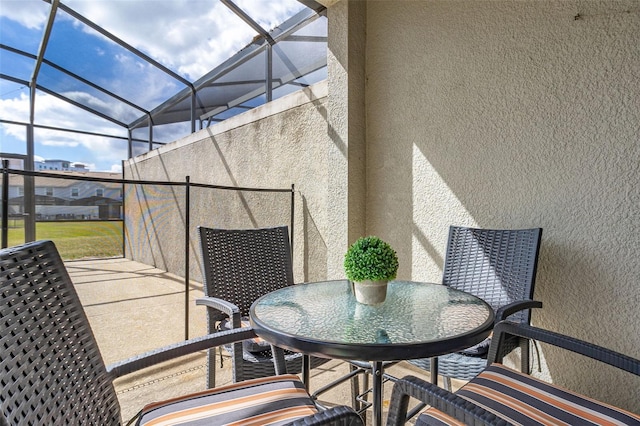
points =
(133, 99)
(102, 82)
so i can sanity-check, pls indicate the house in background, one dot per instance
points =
(62, 165)
(68, 199)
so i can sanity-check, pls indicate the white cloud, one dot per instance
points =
(16, 109)
(188, 36)
(269, 14)
(30, 13)
(53, 112)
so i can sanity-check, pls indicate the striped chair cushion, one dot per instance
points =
(265, 401)
(525, 400)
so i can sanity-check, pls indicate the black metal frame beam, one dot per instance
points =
(231, 64)
(248, 20)
(76, 77)
(80, 132)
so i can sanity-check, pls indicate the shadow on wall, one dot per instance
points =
(586, 310)
(314, 247)
(424, 242)
(156, 217)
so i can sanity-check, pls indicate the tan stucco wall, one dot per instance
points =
(274, 146)
(515, 114)
(346, 152)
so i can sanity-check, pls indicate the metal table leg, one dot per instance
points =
(306, 367)
(433, 369)
(376, 370)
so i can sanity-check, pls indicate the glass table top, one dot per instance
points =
(415, 320)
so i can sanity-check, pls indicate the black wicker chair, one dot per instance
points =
(239, 266)
(498, 266)
(502, 396)
(51, 371)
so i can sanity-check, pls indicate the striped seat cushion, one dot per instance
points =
(265, 401)
(525, 400)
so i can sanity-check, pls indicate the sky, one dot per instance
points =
(190, 37)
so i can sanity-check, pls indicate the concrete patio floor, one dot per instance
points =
(134, 308)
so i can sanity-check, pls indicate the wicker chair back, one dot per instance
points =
(240, 265)
(499, 266)
(50, 363)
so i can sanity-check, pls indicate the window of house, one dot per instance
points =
(99, 192)
(20, 191)
(74, 192)
(48, 191)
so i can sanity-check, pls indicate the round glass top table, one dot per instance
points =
(417, 320)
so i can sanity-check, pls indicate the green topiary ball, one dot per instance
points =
(370, 258)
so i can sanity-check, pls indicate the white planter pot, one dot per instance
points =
(370, 292)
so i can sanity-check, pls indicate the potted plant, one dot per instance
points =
(369, 264)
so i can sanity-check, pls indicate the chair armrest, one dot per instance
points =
(339, 415)
(233, 312)
(506, 329)
(223, 306)
(179, 349)
(510, 309)
(437, 397)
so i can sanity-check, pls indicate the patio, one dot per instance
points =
(487, 114)
(134, 307)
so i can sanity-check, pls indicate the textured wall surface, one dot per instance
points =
(347, 131)
(516, 114)
(274, 146)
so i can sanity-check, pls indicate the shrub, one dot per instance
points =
(370, 258)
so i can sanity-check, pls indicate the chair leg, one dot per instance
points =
(211, 368)
(362, 398)
(524, 356)
(433, 370)
(447, 383)
(355, 389)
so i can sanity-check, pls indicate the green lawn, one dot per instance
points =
(75, 240)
